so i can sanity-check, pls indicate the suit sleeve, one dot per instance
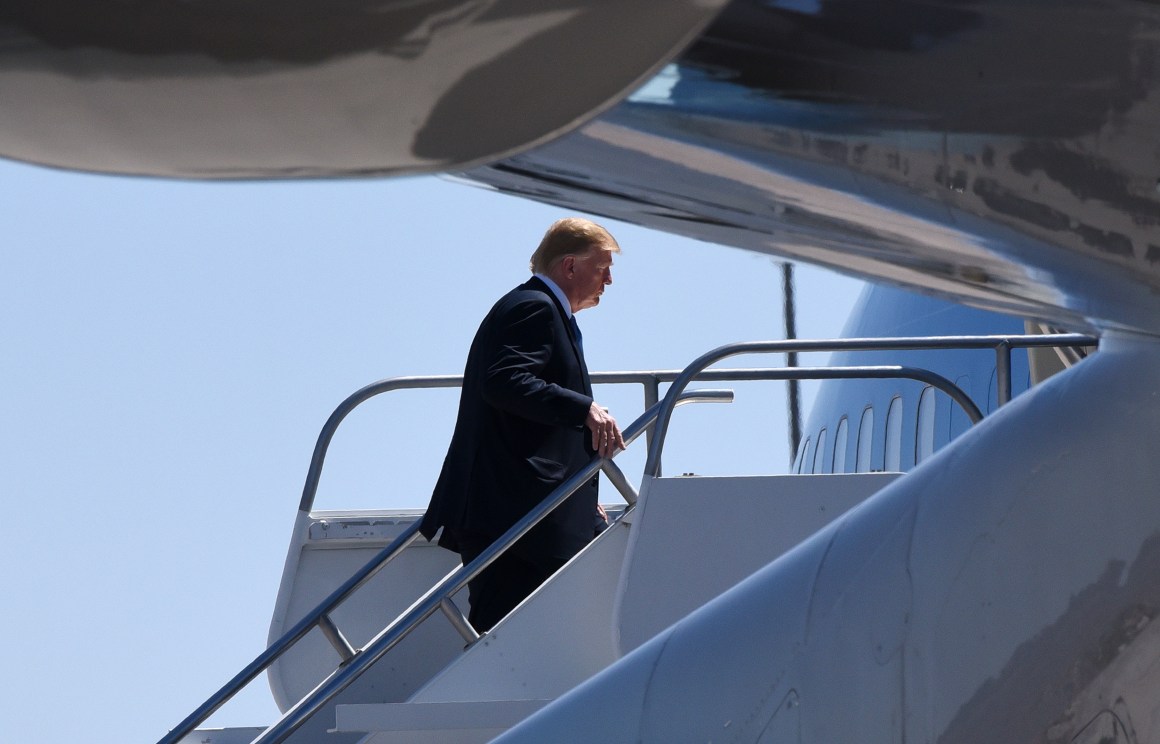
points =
(524, 337)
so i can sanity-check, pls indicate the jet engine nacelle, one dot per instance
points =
(263, 89)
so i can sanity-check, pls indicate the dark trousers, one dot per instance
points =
(503, 584)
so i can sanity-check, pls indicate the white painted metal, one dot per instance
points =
(693, 538)
(551, 642)
(690, 539)
(555, 639)
(326, 549)
(1003, 591)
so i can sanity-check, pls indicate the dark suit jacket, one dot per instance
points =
(520, 431)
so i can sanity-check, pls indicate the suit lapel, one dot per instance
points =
(535, 283)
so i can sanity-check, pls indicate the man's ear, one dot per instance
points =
(569, 264)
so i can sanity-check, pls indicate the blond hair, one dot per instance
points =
(570, 236)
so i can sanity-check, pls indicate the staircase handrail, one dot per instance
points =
(1001, 344)
(433, 600)
(320, 615)
(659, 412)
(652, 379)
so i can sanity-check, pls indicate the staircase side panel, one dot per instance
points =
(693, 538)
(322, 566)
(555, 639)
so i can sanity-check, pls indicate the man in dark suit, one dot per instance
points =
(527, 421)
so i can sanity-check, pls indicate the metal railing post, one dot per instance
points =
(652, 396)
(457, 620)
(617, 478)
(1003, 372)
(336, 638)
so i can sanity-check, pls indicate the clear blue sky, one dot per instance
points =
(171, 350)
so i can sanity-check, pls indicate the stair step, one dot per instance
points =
(445, 722)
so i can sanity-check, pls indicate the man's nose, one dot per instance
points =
(608, 277)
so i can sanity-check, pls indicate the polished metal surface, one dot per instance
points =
(621, 482)
(458, 621)
(1007, 590)
(659, 414)
(337, 639)
(953, 146)
(264, 89)
(697, 369)
(1001, 153)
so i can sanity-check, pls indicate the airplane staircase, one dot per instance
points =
(659, 561)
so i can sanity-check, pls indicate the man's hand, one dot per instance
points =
(606, 437)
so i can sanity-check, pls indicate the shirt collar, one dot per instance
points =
(563, 298)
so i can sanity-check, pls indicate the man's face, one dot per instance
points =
(588, 274)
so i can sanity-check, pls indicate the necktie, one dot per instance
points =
(577, 334)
